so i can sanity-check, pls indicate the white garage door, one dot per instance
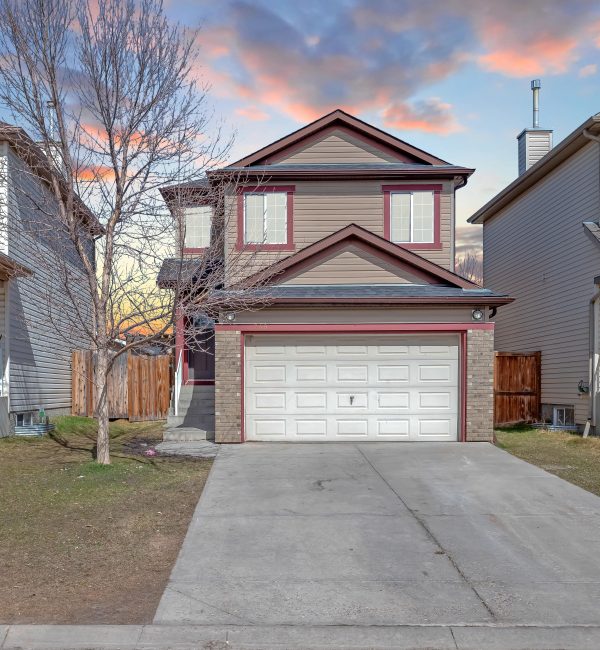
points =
(334, 387)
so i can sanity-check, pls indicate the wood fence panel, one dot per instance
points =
(139, 387)
(517, 387)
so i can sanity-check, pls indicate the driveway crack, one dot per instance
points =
(431, 536)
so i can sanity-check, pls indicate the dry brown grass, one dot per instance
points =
(570, 456)
(84, 543)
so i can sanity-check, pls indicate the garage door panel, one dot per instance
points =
(435, 428)
(389, 373)
(269, 374)
(358, 388)
(314, 374)
(393, 427)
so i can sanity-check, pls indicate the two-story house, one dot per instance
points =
(541, 238)
(44, 292)
(365, 332)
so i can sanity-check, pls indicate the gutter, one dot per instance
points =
(552, 159)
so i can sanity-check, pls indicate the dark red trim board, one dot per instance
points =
(387, 225)
(289, 245)
(352, 328)
(450, 328)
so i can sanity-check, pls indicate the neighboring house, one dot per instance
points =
(40, 324)
(541, 242)
(366, 333)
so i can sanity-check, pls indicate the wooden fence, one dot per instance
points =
(517, 387)
(138, 386)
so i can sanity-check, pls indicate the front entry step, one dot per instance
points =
(187, 434)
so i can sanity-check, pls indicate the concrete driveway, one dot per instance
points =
(386, 534)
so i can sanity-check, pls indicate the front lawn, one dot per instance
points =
(567, 455)
(83, 543)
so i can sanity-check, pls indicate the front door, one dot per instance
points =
(201, 357)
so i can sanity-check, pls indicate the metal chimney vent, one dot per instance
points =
(534, 143)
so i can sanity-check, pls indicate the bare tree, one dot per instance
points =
(109, 91)
(470, 266)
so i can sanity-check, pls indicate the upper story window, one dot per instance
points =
(198, 223)
(265, 217)
(412, 215)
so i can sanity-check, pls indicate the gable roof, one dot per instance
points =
(30, 152)
(341, 118)
(557, 155)
(430, 272)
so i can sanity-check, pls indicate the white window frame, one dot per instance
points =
(411, 240)
(264, 242)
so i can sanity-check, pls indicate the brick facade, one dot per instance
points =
(228, 383)
(480, 385)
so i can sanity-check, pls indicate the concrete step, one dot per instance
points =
(187, 434)
(197, 390)
(194, 400)
(183, 419)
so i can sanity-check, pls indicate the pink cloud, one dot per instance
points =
(430, 116)
(252, 113)
(542, 56)
(588, 70)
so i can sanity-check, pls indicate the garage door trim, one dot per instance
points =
(405, 328)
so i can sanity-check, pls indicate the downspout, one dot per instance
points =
(591, 421)
(454, 188)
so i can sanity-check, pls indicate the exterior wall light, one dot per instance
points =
(230, 316)
(477, 315)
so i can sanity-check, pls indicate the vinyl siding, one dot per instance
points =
(357, 314)
(537, 250)
(324, 207)
(45, 324)
(338, 147)
(353, 266)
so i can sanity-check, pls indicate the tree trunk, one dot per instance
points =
(103, 439)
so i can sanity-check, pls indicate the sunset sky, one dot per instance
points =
(450, 77)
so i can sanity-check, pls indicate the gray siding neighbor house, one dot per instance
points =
(541, 245)
(40, 324)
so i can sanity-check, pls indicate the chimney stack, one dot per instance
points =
(534, 143)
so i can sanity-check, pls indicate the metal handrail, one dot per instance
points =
(178, 383)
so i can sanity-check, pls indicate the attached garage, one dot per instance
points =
(348, 387)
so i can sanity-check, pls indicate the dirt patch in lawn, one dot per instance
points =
(81, 543)
(570, 456)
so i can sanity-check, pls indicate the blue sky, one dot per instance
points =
(450, 77)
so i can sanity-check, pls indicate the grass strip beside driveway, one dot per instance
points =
(568, 455)
(84, 543)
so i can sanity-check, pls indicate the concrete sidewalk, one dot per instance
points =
(186, 637)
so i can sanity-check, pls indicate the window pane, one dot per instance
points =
(276, 219)
(400, 217)
(198, 222)
(254, 219)
(423, 216)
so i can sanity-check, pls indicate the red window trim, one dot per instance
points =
(195, 250)
(387, 226)
(289, 245)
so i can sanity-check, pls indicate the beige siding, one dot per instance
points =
(45, 323)
(358, 314)
(354, 266)
(538, 251)
(324, 207)
(338, 147)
